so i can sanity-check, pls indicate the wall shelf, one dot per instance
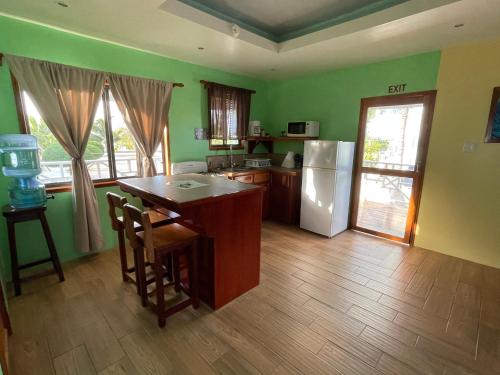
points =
(268, 142)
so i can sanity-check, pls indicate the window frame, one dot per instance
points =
(225, 146)
(56, 187)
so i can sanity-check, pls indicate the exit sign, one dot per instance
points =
(399, 88)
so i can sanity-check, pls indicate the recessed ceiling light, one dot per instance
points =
(458, 25)
(201, 48)
(62, 4)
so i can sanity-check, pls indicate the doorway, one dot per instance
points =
(392, 148)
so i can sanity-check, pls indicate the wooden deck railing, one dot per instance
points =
(60, 171)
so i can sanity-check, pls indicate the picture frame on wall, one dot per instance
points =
(493, 127)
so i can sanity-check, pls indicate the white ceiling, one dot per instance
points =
(165, 28)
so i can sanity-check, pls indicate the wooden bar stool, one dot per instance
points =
(116, 202)
(159, 243)
(19, 215)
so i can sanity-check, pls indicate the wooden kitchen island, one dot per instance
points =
(228, 216)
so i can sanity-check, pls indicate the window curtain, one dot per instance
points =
(144, 104)
(228, 110)
(67, 99)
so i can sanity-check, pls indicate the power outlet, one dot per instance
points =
(469, 147)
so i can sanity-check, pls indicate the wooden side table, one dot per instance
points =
(18, 215)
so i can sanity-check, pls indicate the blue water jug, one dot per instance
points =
(19, 155)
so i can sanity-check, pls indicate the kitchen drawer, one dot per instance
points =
(260, 177)
(248, 179)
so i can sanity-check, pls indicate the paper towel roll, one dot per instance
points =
(289, 161)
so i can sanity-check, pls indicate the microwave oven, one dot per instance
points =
(303, 129)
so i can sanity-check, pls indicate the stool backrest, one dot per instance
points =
(132, 214)
(115, 201)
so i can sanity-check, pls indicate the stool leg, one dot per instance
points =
(52, 247)
(160, 297)
(13, 257)
(141, 275)
(169, 265)
(123, 253)
(136, 270)
(193, 275)
(177, 272)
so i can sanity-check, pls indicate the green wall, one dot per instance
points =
(334, 97)
(188, 110)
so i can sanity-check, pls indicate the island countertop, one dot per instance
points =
(227, 215)
(162, 189)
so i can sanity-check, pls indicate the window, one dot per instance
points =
(110, 154)
(230, 123)
(229, 109)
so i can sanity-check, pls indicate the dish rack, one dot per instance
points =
(257, 163)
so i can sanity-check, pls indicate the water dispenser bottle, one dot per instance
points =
(19, 155)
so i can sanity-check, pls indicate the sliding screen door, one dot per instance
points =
(392, 147)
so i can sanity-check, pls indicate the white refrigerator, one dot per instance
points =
(326, 186)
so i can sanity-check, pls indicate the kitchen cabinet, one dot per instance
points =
(284, 197)
(281, 198)
(265, 200)
(257, 177)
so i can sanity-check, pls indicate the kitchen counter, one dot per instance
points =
(287, 171)
(227, 214)
(163, 190)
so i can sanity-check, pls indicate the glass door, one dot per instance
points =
(392, 146)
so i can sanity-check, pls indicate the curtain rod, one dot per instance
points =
(240, 88)
(175, 84)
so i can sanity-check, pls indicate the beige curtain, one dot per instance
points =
(144, 104)
(67, 99)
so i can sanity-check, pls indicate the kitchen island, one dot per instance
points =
(228, 216)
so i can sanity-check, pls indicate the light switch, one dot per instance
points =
(469, 147)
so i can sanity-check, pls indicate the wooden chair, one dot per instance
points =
(159, 243)
(116, 202)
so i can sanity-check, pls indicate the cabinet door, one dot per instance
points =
(261, 179)
(279, 197)
(295, 188)
(284, 198)
(265, 200)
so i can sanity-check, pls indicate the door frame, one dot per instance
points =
(428, 98)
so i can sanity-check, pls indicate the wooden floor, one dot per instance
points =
(350, 305)
(383, 217)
